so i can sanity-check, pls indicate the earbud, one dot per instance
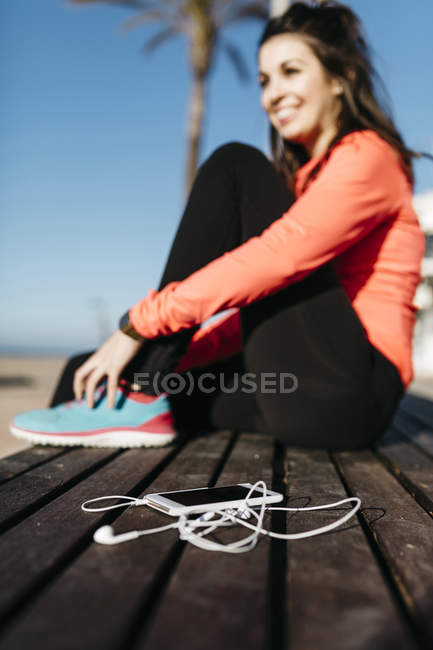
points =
(105, 535)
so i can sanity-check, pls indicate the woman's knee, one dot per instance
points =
(254, 177)
(235, 154)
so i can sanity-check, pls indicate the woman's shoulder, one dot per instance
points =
(367, 145)
(362, 161)
(370, 158)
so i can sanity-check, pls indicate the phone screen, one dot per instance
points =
(210, 495)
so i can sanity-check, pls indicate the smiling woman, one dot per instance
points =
(317, 254)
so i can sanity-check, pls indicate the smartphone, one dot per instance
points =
(205, 499)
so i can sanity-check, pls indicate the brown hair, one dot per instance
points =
(334, 33)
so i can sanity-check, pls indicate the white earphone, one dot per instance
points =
(105, 535)
(208, 522)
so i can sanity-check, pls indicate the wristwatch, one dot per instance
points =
(127, 328)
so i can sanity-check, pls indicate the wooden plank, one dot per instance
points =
(402, 534)
(338, 597)
(31, 490)
(22, 461)
(106, 588)
(409, 465)
(32, 552)
(219, 597)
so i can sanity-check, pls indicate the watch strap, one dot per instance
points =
(127, 328)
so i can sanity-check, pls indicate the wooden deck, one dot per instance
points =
(366, 586)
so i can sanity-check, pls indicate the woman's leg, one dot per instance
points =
(236, 195)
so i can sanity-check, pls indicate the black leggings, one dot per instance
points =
(338, 390)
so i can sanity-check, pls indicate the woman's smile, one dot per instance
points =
(286, 114)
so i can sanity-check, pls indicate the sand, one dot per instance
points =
(25, 383)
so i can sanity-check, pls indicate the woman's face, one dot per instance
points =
(299, 96)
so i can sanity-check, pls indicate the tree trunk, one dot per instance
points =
(195, 128)
(278, 7)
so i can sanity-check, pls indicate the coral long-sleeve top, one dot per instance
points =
(358, 212)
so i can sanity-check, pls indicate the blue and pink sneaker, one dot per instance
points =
(137, 420)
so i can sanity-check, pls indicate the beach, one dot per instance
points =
(28, 383)
(25, 383)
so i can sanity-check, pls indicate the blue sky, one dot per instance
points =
(92, 153)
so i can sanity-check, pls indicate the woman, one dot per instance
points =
(317, 351)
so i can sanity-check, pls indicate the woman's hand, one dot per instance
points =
(108, 361)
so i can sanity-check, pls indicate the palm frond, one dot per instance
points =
(219, 11)
(160, 37)
(237, 59)
(143, 18)
(132, 4)
(251, 10)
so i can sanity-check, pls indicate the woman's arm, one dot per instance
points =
(361, 185)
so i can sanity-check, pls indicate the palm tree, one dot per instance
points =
(202, 22)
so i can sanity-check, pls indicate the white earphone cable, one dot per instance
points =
(187, 525)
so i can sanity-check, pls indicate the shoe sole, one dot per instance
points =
(118, 438)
